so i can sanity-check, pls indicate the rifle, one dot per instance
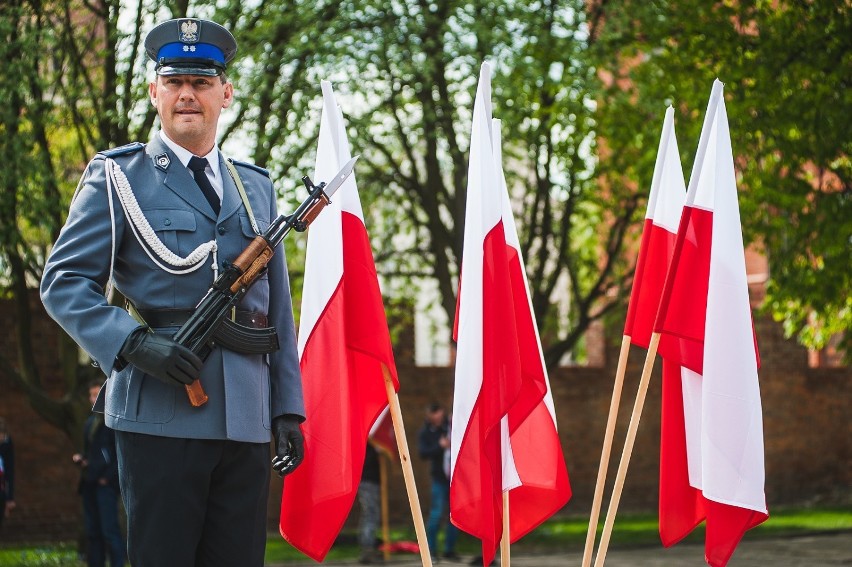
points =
(237, 277)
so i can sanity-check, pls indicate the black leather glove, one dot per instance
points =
(289, 444)
(161, 357)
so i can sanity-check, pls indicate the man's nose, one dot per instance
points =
(187, 92)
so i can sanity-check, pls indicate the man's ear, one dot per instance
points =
(229, 95)
(152, 92)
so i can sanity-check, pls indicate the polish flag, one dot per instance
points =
(504, 434)
(662, 217)
(712, 433)
(345, 355)
(382, 435)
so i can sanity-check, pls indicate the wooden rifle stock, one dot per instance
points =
(252, 262)
(196, 394)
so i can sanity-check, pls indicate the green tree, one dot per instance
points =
(413, 68)
(580, 88)
(31, 184)
(786, 67)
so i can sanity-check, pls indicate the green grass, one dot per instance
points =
(642, 530)
(558, 534)
(567, 534)
(48, 555)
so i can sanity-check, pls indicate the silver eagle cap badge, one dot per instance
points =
(188, 31)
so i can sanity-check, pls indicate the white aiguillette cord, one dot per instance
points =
(144, 233)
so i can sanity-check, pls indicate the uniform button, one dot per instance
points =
(222, 230)
(167, 222)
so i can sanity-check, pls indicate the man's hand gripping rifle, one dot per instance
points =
(221, 299)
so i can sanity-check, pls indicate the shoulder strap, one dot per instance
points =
(242, 190)
(123, 150)
(256, 168)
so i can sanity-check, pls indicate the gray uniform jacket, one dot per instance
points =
(245, 391)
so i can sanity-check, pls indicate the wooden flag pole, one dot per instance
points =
(606, 451)
(505, 559)
(383, 477)
(407, 470)
(628, 448)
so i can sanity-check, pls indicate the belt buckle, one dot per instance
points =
(233, 314)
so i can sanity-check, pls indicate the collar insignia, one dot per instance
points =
(162, 161)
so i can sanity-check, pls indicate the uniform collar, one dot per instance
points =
(184, 155)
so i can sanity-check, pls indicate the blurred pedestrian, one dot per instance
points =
(99, 489)
(433, 443)
(7, 472)
(369, 498)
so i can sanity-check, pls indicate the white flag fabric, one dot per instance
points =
(504, 426)
(706, 328)
(345, 354)
(659, 234)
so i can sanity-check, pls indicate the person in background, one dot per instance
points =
(7, 472)
(433, 443)
(99, 489)
(369, 498)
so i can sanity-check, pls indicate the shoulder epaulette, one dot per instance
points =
(257, 168)
(122, 150)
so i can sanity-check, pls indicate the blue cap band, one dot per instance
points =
(191, 51)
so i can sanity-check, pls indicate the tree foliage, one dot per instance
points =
(786, 67)
(30, 197)
(413, 69)
(580, 87)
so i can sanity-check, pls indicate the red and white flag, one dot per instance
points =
(504, 427)
(712, 433)
(382, 435)
(345, 353)
(659, 233)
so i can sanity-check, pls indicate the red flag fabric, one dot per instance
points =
(382, 435)
(681, 506)
(712, 431)
(345, 352)
(539, 485)
(504, 429)
(662, 217)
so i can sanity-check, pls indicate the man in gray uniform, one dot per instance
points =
(157, 221)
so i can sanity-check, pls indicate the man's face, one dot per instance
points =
(93, 394)
(189, 108)
(436, 417)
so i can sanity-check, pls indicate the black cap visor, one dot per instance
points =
(176, 66)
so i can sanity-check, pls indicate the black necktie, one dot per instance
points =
(198, 165)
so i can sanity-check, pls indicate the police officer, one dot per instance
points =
(157, 220)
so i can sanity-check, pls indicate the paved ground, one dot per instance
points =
(812, 551)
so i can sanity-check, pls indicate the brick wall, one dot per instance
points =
(45, 479)
(808, 435)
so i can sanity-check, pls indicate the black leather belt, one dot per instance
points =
(244, 331)
(159, 318)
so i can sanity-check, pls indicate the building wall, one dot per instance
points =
(46, 480)
(807, 433)
(808, 436)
